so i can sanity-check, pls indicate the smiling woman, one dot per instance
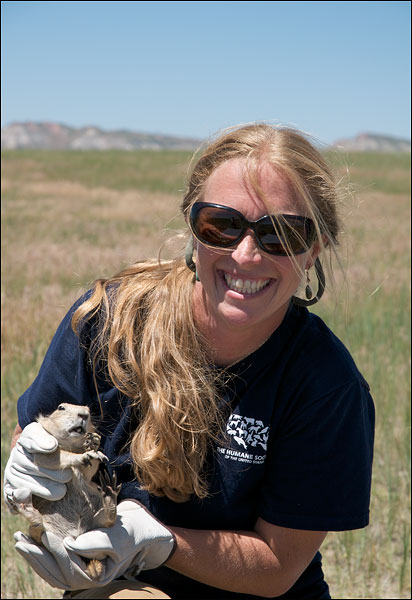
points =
(225, 408)
(252, 284)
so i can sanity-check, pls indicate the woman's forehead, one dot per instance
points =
(261, 185)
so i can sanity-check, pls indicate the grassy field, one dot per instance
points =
(70, 217)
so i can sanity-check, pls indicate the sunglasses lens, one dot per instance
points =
(293, 235)
(216, 226)
(269, 239)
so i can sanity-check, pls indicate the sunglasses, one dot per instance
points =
(223, 227)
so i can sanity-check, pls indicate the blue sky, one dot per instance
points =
(333, 69)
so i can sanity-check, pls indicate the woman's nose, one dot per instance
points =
(247, 250)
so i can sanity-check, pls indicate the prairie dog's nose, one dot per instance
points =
(83, 414)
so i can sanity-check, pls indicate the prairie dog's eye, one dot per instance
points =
(61, 407)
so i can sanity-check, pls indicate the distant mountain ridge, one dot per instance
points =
(56, 136)
(373, 142)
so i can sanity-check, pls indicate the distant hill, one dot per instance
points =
(55, 136)
(373, 142)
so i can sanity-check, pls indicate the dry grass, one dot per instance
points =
(62, 232)
(375, 325)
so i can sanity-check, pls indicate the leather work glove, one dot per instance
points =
(52, 560)
(22, 477)
(137, 541)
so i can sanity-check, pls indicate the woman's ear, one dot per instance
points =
(315, 251)
(313, 255)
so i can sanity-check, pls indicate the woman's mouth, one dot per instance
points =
(245, 286)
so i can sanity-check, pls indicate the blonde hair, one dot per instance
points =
(292, 154)
(149, 342)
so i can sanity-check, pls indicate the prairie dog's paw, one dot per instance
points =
(20, 501)
(92, 441)
(108, 484)
(109, 491)
(20, 495)
(13, 504)
(90, 455)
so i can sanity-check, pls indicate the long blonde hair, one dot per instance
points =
(149, 342)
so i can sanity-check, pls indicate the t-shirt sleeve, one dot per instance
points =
(63, 375)
(319, 466)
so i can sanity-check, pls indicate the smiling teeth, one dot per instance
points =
(245, 286)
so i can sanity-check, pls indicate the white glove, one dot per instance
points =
(52, 561)
(137, 541)
(22, 477)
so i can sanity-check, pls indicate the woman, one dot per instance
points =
(228, 410)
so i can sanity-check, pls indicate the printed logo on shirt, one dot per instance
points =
(250, 435)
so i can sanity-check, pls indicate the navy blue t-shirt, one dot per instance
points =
(299, 449)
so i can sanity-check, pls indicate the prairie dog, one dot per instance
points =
(86, 505)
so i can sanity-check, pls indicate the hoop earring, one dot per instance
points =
(321, 287)
(189, 257)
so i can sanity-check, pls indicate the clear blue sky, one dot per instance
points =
(333, 69)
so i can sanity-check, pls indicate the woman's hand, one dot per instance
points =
(136, 542)
(60, 568)
(22, 477)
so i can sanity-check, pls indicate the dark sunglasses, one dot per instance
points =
(223, 227)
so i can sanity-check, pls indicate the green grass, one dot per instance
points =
(70, 217)
(375, 561)
(114, 169)
(388, 173)
(140, 169)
